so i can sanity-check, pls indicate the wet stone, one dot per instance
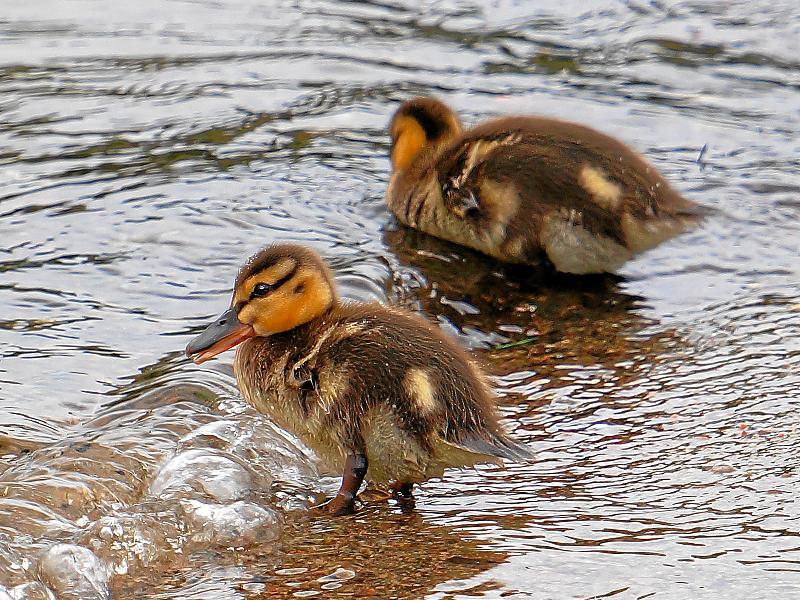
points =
(13, 566)
(333, 585)
(339, 574)
(253, 588)
(291, 571)
(74, 572)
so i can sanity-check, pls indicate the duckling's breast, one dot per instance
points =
(421, 204)
(267, 381)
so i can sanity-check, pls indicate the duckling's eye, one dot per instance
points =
(260, 289)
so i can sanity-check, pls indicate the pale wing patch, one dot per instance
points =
(420, 388)
(332, 387)
(574, 249)
(336, 381)
(475, 154)
(501, 200)
(332, 335)
(605, 193)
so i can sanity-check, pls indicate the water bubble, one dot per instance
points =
(128, 542)
(31, 591)
(216, 434)
(202, 472)
(74, 572)
(237, 524)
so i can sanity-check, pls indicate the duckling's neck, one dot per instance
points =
(299, 339)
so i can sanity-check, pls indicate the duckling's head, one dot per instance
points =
(418, 123)
(279, 288)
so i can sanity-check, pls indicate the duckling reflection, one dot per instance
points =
(497, 305)
(414, 556)
(526, 189)
(376, 392)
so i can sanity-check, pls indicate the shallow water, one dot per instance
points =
(145, 150)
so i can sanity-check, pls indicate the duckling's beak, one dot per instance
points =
(223, 334)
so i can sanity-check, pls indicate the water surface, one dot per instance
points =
(146, 150)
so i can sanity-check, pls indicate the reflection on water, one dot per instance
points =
(145, 151)
(499, 307)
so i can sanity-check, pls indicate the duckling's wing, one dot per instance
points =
(554, 165)
(498, 446)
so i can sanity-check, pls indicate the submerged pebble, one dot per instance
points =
(74, 572)
(339, 574)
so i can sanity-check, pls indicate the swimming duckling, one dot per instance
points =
(523, 188)
(376, 392)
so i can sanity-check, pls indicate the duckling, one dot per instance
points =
(377, 392)
(525, 188)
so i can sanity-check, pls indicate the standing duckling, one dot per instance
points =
(376, 392)
(524, 188)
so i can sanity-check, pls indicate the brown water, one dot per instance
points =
(146, 148)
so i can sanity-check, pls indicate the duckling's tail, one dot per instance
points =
(499, 445)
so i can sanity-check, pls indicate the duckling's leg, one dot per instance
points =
(355, 468)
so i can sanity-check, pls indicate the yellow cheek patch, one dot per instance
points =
(273, 314)
(283, 315)
(409, 140)
(303, 298)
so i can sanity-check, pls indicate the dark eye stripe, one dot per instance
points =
(267, 287)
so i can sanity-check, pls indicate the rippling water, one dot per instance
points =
(146, 149)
